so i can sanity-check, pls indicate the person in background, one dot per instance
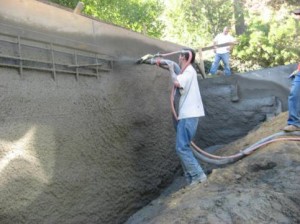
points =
(293, 122)
(222, 53)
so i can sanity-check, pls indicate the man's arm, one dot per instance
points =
(215, 42)
(233, 41)
(215, 46)
(296, 72)
(173, 74)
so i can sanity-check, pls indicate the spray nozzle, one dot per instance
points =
(145, 58)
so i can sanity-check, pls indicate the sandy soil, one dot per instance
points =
(261, 188)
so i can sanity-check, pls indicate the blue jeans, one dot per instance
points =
(186, 130)
(294, 103)
(225, 58)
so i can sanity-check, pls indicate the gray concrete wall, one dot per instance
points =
(81, 151)
(237, 104)
(88, 150)
(95, 150)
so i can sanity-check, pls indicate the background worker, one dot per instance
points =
(222, 53)
(294, 97)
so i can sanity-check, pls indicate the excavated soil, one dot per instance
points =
(261, 188)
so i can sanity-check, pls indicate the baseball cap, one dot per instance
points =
(297, 11)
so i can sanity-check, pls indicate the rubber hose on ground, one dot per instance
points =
(231, 159)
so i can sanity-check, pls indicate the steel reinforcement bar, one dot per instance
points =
(29, 53)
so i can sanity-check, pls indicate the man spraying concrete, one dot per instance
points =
(190, 108)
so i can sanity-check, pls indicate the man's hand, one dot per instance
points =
(172, 73)
(171, 66)
(215, 49)
(294, 73)
(145, 59)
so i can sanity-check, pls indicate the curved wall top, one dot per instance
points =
(97, 35)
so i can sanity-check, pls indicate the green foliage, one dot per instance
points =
(137, 15)
(67, 3)
(194, 23)
(267, 44)
(271, 37)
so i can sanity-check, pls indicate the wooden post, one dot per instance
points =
(201, 63)
(79, 7)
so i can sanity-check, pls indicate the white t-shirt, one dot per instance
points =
(221, 38)
(190, 103)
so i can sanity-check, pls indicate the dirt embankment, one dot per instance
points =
(261, 188)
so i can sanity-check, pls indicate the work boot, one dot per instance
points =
(290, 128)
(201, 179)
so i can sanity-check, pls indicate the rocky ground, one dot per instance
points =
(261, 188)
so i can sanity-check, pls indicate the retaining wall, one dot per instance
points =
(78, 148)
(86, 149)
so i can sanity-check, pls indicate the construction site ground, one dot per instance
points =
(261, 188)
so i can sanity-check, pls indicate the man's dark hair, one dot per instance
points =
(296, 12)
(185, 53)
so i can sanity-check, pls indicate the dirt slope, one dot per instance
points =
(261, 188)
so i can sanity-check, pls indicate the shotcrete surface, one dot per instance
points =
(261, 188)
(88, 151)
(91, 150)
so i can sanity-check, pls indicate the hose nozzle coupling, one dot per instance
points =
(158, 55)
(144, 59)
(147, 59)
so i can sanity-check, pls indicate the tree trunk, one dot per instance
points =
(239, 17)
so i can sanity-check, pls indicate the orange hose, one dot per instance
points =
(198, 149)
(238, 155)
